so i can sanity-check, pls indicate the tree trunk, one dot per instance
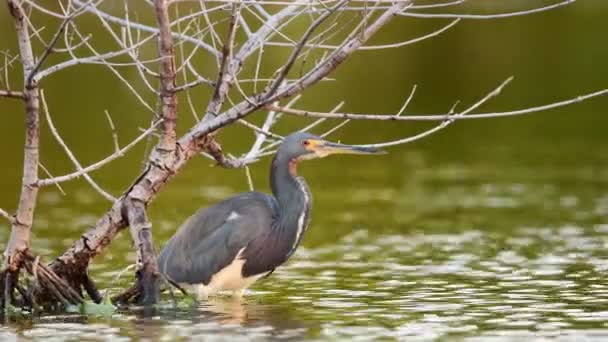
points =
(19, 241)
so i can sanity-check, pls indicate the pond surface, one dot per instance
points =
(454, 250)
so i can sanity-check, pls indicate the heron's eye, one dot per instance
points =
(305, 142)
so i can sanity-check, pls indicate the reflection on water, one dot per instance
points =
(449, 250)
(475, 285)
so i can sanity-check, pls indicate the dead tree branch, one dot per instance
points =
(436, 117)
(488, 16)
(147, 186)
(70, 154)
(7, 216)
(19, 241)
(11, 94)
(162, 158)
(118, 154)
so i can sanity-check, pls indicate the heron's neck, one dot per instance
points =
(292, 195)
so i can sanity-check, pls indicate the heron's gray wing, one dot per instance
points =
(210, 239)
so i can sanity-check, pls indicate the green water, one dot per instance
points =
(492, 230)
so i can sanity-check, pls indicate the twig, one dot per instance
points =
(48, 174)
(439, 5)
(120, 77)
(101, 163)
(244, 108)
(49, 48)
(222, 86)
(224, 78)
(146, 28)
(448, 121)
(6, 215)
(70, 155)
(113, 129)
(249, 179)
(265, 149)
(120, 274)
(260, 138)
(75, 61)
(488, 16)
(407, 102)
(335, 128)
(381, 46)
(339, 55)
(11, 94)
(436, 117)
(298, 48)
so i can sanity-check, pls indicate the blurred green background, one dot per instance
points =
(445, 183)
(553, 55)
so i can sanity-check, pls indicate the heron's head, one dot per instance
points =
(303, 146)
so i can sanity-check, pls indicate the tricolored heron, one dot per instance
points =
(239, 240)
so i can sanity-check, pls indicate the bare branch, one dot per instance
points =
(298, 48)
(341, 54)
(24, 218)
(224, 79)
(7, 216)
(168, 98)
(113, 129)
(48, 173)
(268, 29)
(50, 46)
(488, 16)
(449, 121)
(87, 60)
(407, 102)
(244, 108)
(101, 163)
(141, 234)
(436, 117)
(445, 4)
(69, 153)
(11, 94)
(145, 28)
(260, 138)
(383, 46)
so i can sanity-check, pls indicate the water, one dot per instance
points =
(443, 254)
(493, 230)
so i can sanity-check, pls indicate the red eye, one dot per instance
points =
(305, 142)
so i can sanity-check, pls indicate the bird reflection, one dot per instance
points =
(219, 316)
(229, 310)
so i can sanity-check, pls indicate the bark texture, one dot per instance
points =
(19, 241)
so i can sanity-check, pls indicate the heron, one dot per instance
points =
(234, 243)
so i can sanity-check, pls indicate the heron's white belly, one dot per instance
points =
(230, 278)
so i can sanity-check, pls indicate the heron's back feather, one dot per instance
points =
(211, 238)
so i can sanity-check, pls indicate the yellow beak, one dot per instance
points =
(325, 148)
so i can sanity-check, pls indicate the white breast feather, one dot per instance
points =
(302, 216)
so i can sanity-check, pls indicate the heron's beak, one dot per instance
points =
(325, 148)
